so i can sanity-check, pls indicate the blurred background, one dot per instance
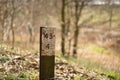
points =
(88, 30)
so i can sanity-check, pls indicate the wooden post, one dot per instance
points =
(47, 53)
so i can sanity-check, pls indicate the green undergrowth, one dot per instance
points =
(113, 75)
(17, 50)
(26, 74)
(82, 63)
(89, 65)
(98, 49)
(95, 48)
(20, 76)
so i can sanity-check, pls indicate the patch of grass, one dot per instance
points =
(22, 76)
(4, 59)
(98, 49)
(95, 48)
(11, 51)
(113, 75)
(96, 67)
(82, 63)
(98, 19)
(69, 59)
(33, 75)
(6, 48)
(10, 77)
(90, 66)
(77, 78)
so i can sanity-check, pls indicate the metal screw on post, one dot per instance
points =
(47, 53)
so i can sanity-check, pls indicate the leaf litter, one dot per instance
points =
(24, 65)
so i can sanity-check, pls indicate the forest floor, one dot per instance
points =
(98, 58)
(21, 64)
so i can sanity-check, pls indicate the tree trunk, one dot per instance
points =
(78, 11)
(63, 27)
(110, 17)
(12, 22)
(3, 30)
(76, 32)
(33, 16)
(4, 16)
(13, 33)
(30, 29)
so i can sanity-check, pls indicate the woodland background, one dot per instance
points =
(87, 33)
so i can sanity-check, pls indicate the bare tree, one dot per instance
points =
(68, 33)
(15, 8)
(63, 27)
(79, 5)
(12, 22)
(3, 18)
(110, 12)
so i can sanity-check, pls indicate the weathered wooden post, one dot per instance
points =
(47, 53)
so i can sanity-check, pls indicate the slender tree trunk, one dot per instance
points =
(68, 21)
(78, 11)
(13, 33)
(4, 16)
(3, 28)
(76, 32)
(110, 17)
(63, 27)
(12, 22)
(67, 33)
(76, 28)
(32, 20)
(30, 29)
(69, 46)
